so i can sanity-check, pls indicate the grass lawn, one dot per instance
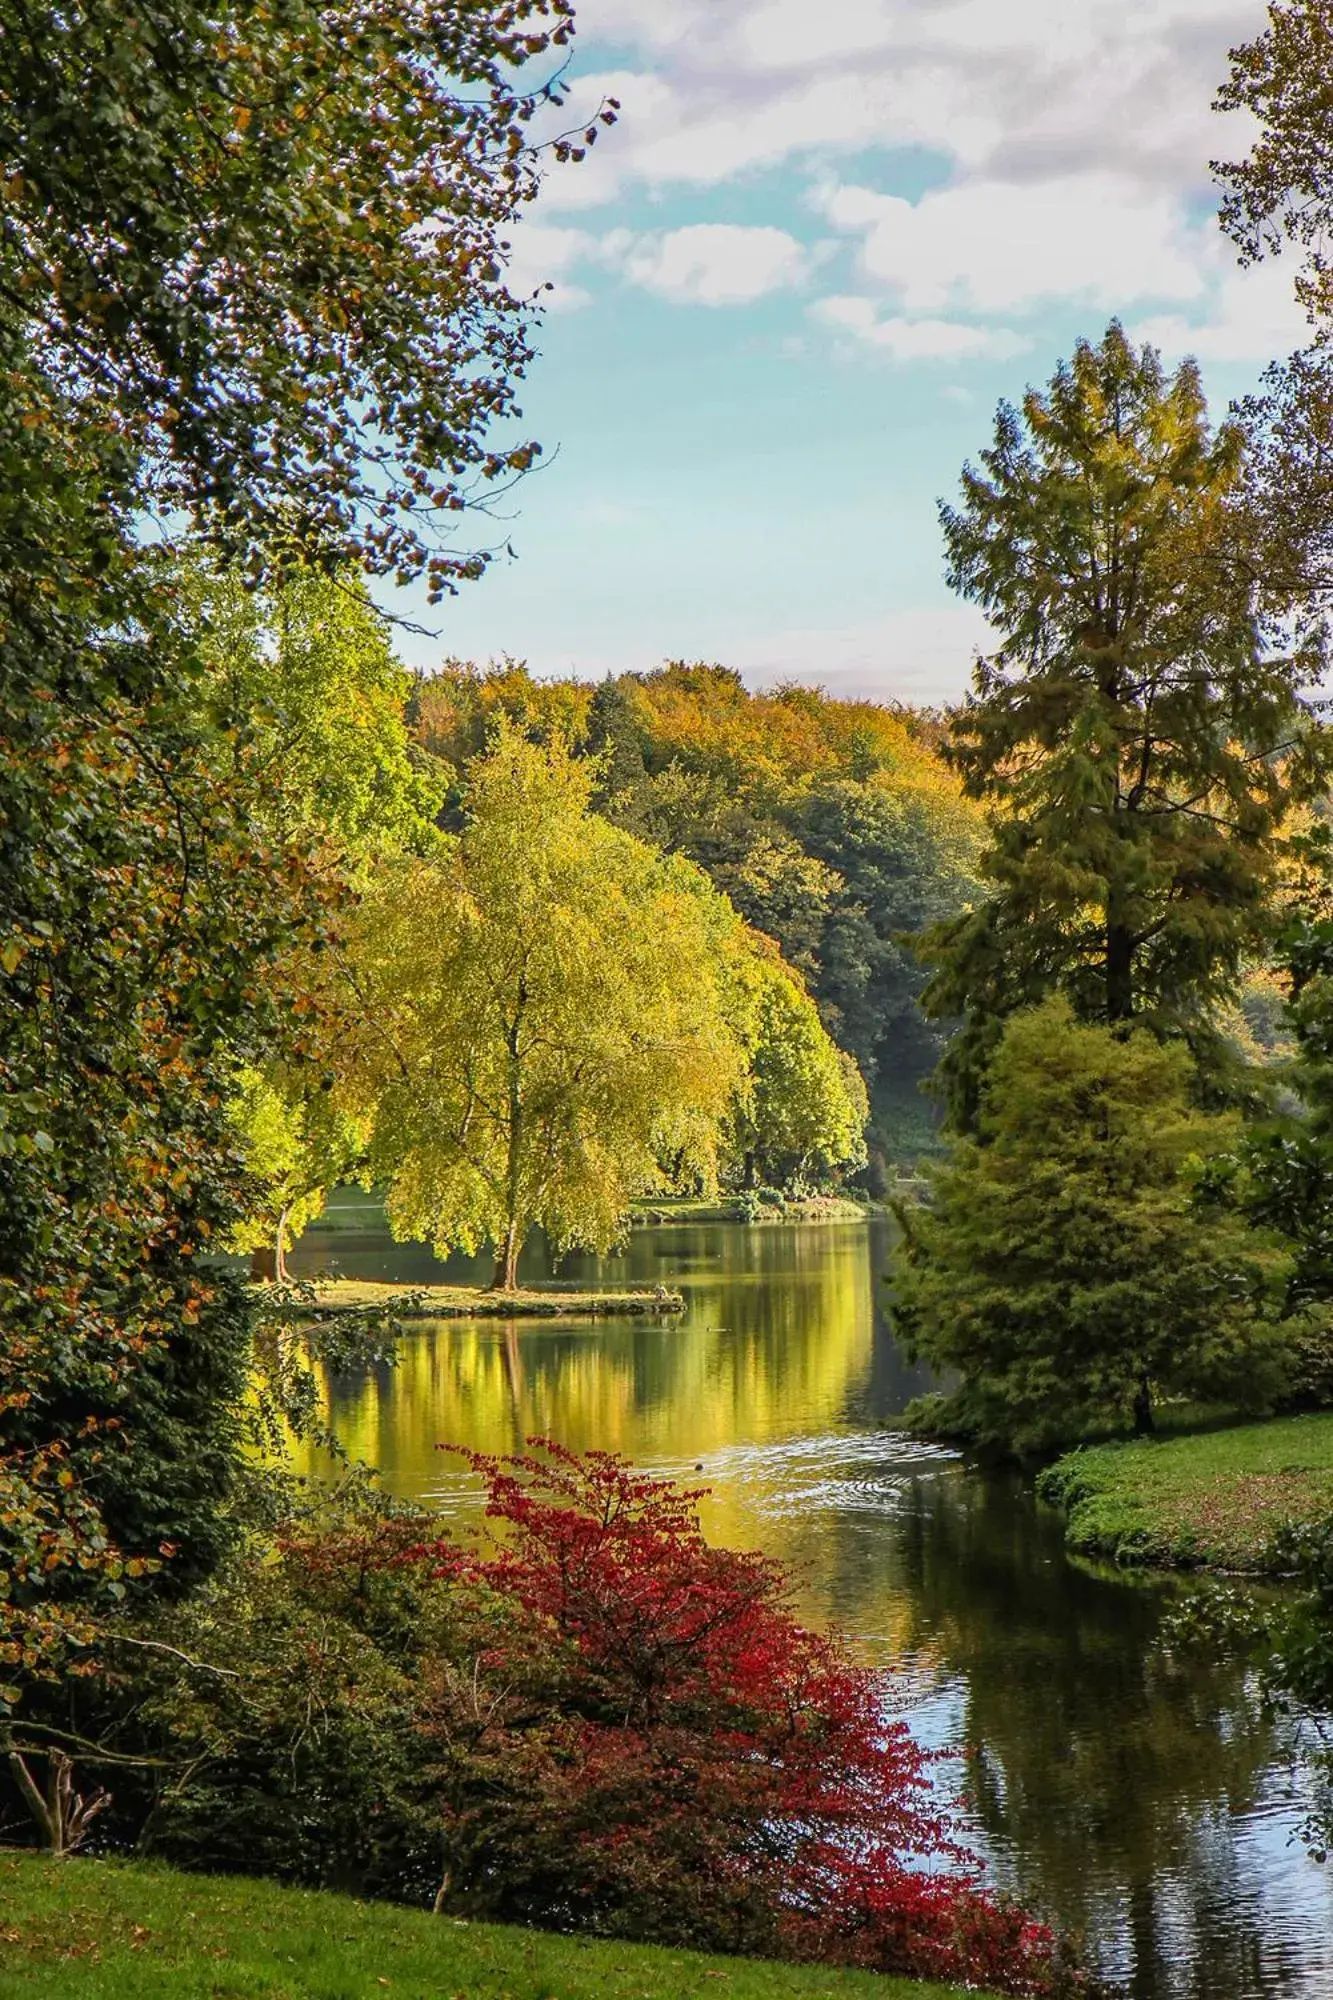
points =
(1215, 1497)
(553, 1301)
(105, 1930)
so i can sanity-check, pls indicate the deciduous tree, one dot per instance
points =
(801, 1111)
(542, 1017)
(250, 281)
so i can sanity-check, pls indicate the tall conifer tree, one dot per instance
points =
(1142, 727)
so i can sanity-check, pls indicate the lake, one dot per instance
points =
(1138, 1797)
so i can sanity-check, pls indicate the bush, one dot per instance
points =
(594, 1721)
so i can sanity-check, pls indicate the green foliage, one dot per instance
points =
(1282, 192)
(1143, 728)
(1287, 1165)
(216, 225)
(801, 1114)
(1065, 1266)
(831, 826)
(541, 1018)
(299, 1142)
(218, 310)
(310, 664)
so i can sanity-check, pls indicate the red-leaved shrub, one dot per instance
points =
(632, 1735)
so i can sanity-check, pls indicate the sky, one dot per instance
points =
(789, 287)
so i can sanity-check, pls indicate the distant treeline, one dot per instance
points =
(834, 827)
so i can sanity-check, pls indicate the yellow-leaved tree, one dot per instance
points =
(801, 1114)
(544, 1015)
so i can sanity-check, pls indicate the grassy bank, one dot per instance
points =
(104, 1930)
(345, 1295)
(816, 1208)
(1215, 1498)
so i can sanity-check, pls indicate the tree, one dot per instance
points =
(309, 663)
(801, 1114)
(1066, 1267)
(249, 284)
(299, 1142)
(1282, 192)
(832, 826)
(271, 247)
(1142, 729)
(543, 1018)
(1279, 199)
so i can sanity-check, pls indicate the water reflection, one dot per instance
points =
(1142, 1799)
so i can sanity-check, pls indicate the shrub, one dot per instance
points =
(590, 1720)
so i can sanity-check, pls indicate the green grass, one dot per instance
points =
(732, 1208)
(1214, 1498)
(105, 1930)
(549, 1301)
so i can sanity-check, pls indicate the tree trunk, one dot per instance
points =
(280, 1246)
(62, 1817)
(505, 1278)
(1119, 971)
(1144, 1425)
(506, 1251)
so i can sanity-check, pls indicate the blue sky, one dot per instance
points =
(791, 284)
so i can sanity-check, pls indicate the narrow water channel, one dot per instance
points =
(1140, 1798)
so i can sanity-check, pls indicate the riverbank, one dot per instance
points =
(748, 1209)
(358, 1295)
(1213, 1499)
(104, 1929)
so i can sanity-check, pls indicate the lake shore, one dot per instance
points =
(104, 1929)
(736, 1208)
(423, 1302)
(1213, 1499)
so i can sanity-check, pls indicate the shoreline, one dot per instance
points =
(816, 1208)
(343, 1296)
(1213, 1500)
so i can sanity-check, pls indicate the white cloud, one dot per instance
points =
(996, 246)
(1252, 317)
(710, 264)
(1066, 148)
(1034, 88)
(915, 339)
(716, 263)
(541, 255)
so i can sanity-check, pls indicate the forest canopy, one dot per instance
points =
(834, 827)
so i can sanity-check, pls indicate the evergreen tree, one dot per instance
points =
(1142, 728)
(1068, 1268)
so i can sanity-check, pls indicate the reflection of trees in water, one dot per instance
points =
(777, 1337)
(1108, 1773)
(1109, 1778)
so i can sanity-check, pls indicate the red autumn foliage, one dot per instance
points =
(647, 1744)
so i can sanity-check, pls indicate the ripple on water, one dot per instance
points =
(869, 1467)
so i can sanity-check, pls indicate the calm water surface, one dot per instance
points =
(1137, 1797)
